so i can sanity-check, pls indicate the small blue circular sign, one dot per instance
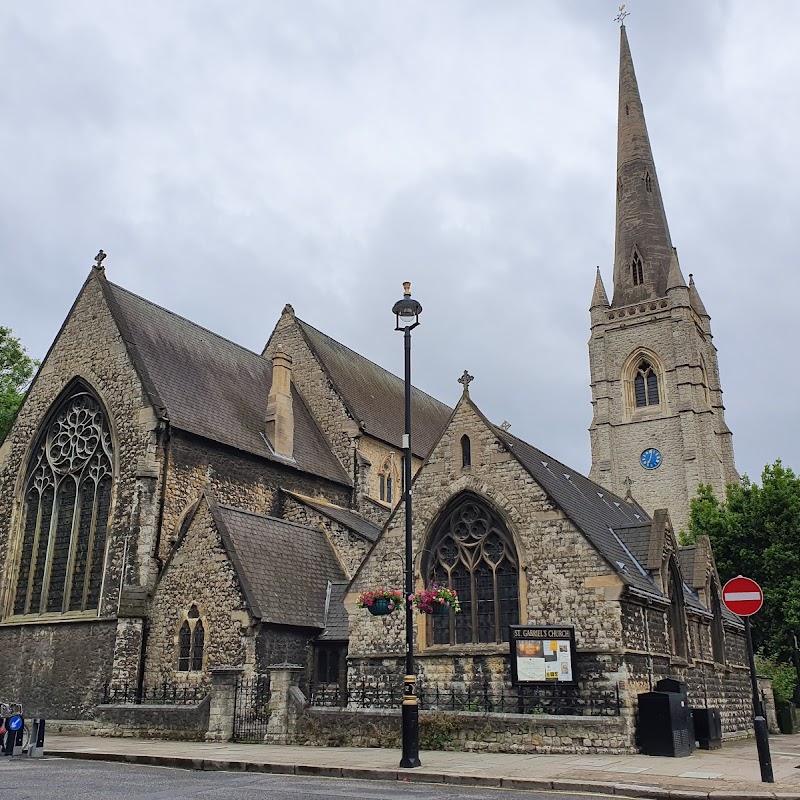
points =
(15, 723)
(650, 458)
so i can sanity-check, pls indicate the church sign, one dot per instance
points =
(542, 654)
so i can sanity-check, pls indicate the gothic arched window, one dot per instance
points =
(386, 480)
(645, 385)
(191, 641)
(677, 613)
(717, 629)
(66, 510)
(466, 451)
(472, 551)
(637, 269)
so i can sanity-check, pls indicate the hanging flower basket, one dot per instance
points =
(380, 602)
(436, 600)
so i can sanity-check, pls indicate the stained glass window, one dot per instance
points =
(472, 552)
(66, 511)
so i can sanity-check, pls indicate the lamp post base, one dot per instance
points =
(410, 758)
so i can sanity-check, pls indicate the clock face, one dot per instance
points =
(650, 458)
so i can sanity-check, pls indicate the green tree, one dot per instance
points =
(756, 532)
(16, 369)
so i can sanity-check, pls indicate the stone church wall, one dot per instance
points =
(198, 573)
(56, 670)
(234, 479)
(726, 687)
(62, 665)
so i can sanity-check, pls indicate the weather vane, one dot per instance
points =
(99, 260)
(622, 14)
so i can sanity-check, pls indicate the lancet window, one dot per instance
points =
(387, 480)
(472, 552)
(637, 269)
(678, 644)
(191, 641)
(645, 385)
(66, 509)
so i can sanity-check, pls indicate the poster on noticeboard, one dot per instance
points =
(542, 654)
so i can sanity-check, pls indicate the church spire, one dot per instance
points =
(643, 252)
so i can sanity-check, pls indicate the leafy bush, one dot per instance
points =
(782, 675)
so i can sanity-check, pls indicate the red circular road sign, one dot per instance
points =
(743, 596)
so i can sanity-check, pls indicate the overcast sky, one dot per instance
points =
(231, 157)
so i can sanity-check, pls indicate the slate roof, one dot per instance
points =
(283, 568)
(376, 397)
(209, 386)
(597, 512)
(336, 624)
(352, 521)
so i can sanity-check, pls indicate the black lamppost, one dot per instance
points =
(407, 313)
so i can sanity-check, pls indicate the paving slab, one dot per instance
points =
(731, 773)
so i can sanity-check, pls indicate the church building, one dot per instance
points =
(171, 503)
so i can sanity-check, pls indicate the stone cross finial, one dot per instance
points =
(465, 380)
(622, 14)
(98, 259)
(627, 483)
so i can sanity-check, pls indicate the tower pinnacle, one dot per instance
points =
(643, 250)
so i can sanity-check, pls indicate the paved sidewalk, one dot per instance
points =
(731, 773)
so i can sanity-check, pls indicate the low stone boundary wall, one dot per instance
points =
(452, 730)
(183, 722)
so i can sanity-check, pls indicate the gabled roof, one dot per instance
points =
(283, 568)
(375, 397)
(349, 519)
(209, 386)
(600, 515)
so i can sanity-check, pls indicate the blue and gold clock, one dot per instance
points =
(650, 458)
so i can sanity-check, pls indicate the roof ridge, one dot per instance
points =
(374, 363)
(191, 322)
(265, 516)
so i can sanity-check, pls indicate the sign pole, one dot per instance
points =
(759, 722)
(743, 596)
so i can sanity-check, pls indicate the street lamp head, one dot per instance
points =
(407, 310)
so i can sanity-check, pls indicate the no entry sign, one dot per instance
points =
(743, 596)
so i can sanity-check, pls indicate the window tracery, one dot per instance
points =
(472, 552)
(191, 642)
(66, 511)
(646, 385)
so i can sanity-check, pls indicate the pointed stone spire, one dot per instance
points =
(599, 296)
(643, 251)
(675, 279)
(694, 299)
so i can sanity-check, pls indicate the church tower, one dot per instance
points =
(658, 428)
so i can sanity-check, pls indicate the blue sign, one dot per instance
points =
(15, 723)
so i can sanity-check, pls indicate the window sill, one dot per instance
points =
(49, 619)
(465, 650)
